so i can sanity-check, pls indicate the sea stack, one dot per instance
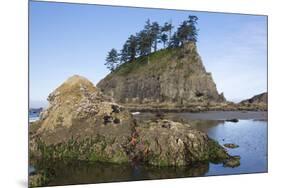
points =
(257, 102)
(168, 77)
(257, 99)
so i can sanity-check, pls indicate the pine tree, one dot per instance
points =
(167, 28)
(144, 43)
(155, 34)
(183, 32)
(148, 36)
(193, 32)
(187, 31)
(175, 41)
(140, 45)
(164, 39)
(112, 60)
(132, 47)
(124, 54)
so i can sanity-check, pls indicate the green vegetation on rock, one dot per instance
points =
(152, 63)
(216, 153)
(141, 45)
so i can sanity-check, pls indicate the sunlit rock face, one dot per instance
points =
(82, 123)
(170, 76)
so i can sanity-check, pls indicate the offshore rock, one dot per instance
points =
(169, 78)
(257, 102)
(257, 99)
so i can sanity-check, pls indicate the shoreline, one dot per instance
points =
(208, 115)
(196, 109)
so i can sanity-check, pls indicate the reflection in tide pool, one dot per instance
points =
(250, 135)
(81, 172)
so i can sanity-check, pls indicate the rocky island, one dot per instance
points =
(170, 80)
(81, 123)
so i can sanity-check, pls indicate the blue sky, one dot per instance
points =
(67, 39)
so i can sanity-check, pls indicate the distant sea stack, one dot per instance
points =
(256, 103)
(257, 99)
(172, 77)
(35, 110)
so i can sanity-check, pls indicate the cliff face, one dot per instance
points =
(170, 76)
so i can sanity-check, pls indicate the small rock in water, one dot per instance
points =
(232, 162)
(229, 145)
(232, 120)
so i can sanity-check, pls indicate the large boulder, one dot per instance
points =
(168, 143)
(83, 124)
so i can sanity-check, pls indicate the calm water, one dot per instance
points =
(251, 136)
(250, 133)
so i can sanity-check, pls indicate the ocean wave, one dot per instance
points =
(32, 119)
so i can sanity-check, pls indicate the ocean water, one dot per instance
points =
(250, 133)
(33, 116)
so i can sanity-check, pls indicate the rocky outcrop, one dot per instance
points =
(168, 143)
(257, 99)
(82, 124)
(257, 103)
(170, 77)
(232, 162)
